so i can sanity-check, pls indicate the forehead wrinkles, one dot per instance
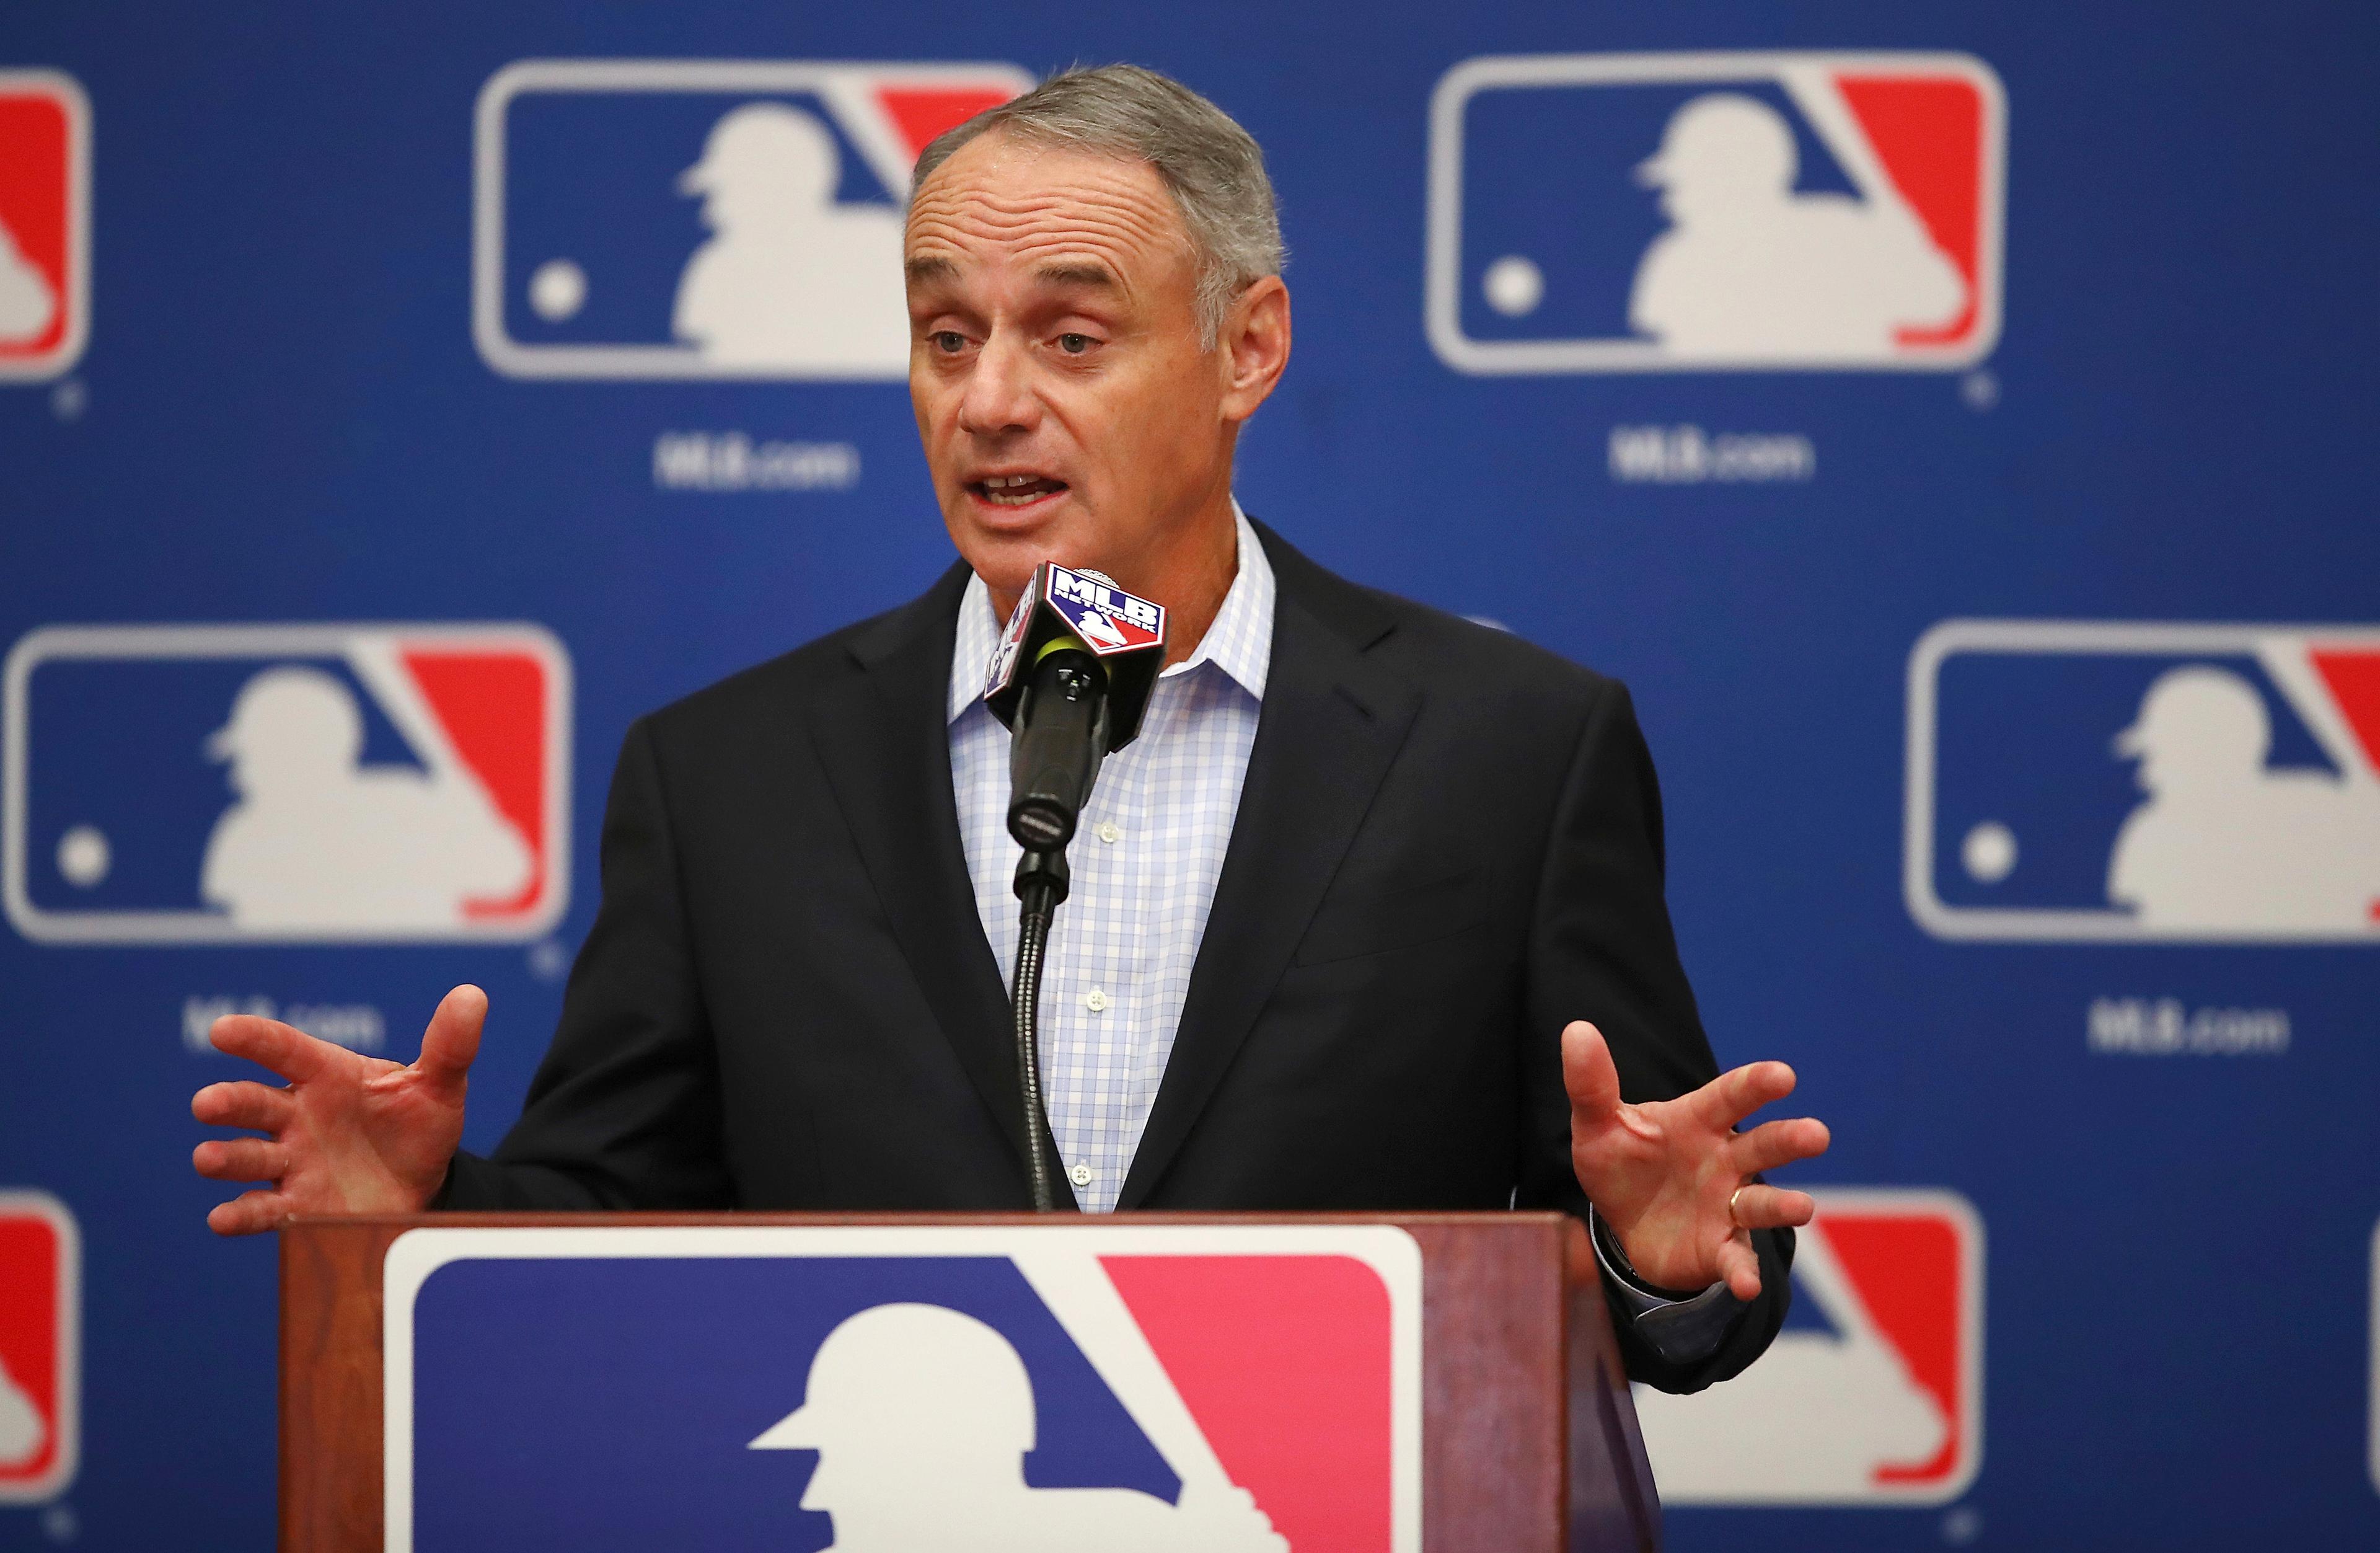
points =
(1105, 213)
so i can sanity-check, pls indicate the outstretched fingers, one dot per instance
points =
(1739, 1264)
(289, 1051)
(251, 1213)
(1739, 1091)
(452, 1040)
(1771, 1208)
(1588, 1073)
(240, 1159)
(243, 1104)
(1774, 1144)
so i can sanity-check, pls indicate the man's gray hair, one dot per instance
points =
(1214, 168)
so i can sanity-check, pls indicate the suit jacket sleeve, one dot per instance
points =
(1601, 948)
(624, 1111)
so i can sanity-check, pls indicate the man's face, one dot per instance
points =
(1067, 409)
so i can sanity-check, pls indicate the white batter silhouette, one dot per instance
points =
(316, 842)
(27, 305)
(2220, 842)
(789, 278)
(1811, 1422)
(1750, 269)
(922, 1417)
(22, 1432)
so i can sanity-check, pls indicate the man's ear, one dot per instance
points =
(1255, 346)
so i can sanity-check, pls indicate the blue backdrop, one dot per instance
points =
(1888, 852)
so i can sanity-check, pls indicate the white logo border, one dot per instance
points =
(1441, 306)
(509, 356)
(2104, 637)
(203, 641)
(69, 1422)
(77, 301)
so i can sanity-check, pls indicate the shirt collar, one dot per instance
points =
(1239, 642)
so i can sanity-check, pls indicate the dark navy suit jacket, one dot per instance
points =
(1449, 845)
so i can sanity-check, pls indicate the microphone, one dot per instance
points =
(1070, 679)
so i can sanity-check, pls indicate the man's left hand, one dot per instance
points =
(1673, 1177)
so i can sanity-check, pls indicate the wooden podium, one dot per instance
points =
(1529, 1440)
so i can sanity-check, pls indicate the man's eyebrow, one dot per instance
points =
(921, 270)
(1080, 273)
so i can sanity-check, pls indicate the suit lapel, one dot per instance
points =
(1331, 726)
(886, 749)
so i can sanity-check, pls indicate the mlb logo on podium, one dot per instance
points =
(640, 219)
(1714, 212)
(1873, 1393)
(286, 784)
(2118, 782)
(44, 224)
(40, 1351)
(885, 1390)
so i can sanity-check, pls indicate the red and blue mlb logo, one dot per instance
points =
(1715, 212)
(44, 224)
(1103, 614)
(40, 1353)
(1873, 1393)
(287, 783)
(1045, 1387)
(2128, 781)
(642, 219)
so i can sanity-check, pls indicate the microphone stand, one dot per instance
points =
(1042, 884)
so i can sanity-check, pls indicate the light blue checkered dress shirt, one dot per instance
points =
(1145, 863)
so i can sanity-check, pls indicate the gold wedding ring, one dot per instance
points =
(1732, 1217)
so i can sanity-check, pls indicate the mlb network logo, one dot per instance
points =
(669, 218)
(44, 224)
(300, 783)
(1714, 212)
(1873, 1391)
(40, 1347)
(2114, 781)
(1227, 1389)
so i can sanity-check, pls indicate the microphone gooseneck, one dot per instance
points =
(1071, 677)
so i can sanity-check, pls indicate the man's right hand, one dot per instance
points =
(348, 1133)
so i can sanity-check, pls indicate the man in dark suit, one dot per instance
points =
(1389, 861)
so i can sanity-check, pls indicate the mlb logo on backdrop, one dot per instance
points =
(1873, 1393)
(1223, 1389)
(672, 218)
(2111, 781)
(1714, 212)
(41, 1352)
(44, 224)
(300, 783)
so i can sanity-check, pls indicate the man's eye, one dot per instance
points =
(1074, 345)
(949, 341)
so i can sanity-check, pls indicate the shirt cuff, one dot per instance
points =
(1683, 1328)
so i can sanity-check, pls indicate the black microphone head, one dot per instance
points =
(1073, 607)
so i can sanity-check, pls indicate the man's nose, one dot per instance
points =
(999, 396)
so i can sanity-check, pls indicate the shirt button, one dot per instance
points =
(1082, 1175)
(1110, 832)
(1095, 1000)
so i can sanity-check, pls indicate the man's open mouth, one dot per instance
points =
(1016, 490)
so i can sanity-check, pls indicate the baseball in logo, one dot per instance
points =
(307, 783)
(2109, 780)
(44, 224)
(658, 218)
(1226, 1390)
(1714, 212)
(1872, 1394)
(41, 1271)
